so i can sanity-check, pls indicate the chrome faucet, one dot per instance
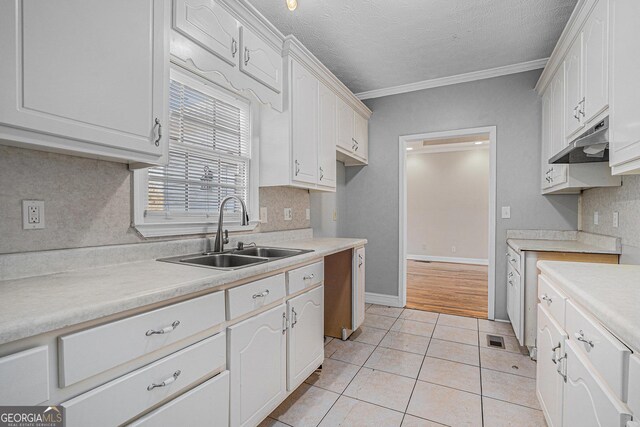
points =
(218, 245)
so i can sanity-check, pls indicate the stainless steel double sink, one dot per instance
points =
(235, 259)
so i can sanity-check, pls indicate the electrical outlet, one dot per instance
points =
(288, 214)
(453, 249)
(424, 247)
(616, 219)
(596, 218)
(308, 214)
(32, 214)
(263, 215)
(506, 212)
(335, 215)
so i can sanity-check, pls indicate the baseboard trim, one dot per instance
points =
(475, 261)
(382, 299)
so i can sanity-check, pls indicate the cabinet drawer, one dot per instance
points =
(252, 296)
(28, 374)
(514, 258)
(605, 352)
(133, 393)
(98, 349)
(205, 405)
(305, 277)
(552, 299)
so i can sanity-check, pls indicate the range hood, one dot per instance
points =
(592, 146)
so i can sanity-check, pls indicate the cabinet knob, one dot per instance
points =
(234, 47)
(158, 125)
(164, 330)
(580, 337)
(247, 55)
(546, 298)
(166, 382)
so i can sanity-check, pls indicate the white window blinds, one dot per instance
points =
(209, 154)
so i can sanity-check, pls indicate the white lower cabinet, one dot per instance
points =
(136, 392)
(514, 301)
(587, 398)
(257, 365)
(208, 404)
(305, 338)
(550, 342)
(358, 305)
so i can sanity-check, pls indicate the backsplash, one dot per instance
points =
(626, 201)
(88, 202)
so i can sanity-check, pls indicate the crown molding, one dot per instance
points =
(452, 80)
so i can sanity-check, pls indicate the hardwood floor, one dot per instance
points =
(459, 289)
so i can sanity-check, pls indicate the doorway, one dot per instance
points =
(447, 221)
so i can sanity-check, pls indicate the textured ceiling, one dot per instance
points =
(374, 44)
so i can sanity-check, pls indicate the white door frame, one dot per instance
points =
(402, 147)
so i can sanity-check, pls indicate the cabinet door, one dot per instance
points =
(624, 145)
(304, 109)
(573, 67)
(210, 25)
(261, 61)
(358, 288)
(257, 366)
(596, 62)
(92, 72)
(305, 340)
(514, 303)
(587, 399)
(327, 138)
(345, 126)
(546, 138)
(361, 135)
(558, 91)
(550, 341)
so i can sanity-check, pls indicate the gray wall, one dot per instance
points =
(508, 102)
(323, 205)
(626, 201)
(88, 202)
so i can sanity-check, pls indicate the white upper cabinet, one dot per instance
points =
(210, 25)
(353, 135)
(345, 125)
(624, 122)
(596, 62)
(86, 77)
(327, 137)
(260, 61)
(574, 98)
(304, 120)
(230, 44)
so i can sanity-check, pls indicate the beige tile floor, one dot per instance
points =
(413, 368)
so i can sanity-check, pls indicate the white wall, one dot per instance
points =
(448, 204)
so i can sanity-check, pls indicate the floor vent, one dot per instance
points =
(495, 341)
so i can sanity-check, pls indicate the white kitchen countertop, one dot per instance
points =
(540, 245)
(35, 305)
(611, 292)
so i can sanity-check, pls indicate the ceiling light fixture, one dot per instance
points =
(479, 142)
(292, 4)
(409, 148)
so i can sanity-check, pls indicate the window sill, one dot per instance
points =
(166, 229)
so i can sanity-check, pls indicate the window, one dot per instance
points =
(209, 159)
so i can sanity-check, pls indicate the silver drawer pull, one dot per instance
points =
(580, 337)
(510, 274)
(166, 382)
(166, 330)
(261, 294)
(309, 277)
(513, 260)
(546, 298)
(294, 317)
(554, 351)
